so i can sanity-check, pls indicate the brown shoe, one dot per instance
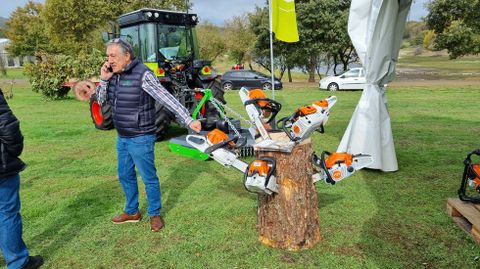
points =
(126, 218)
(156, 223)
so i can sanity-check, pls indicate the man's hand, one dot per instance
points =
(105, 72)
(195, 126)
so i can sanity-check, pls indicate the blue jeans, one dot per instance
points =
(138, 152)
(11, 243)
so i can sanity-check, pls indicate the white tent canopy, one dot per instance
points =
(376, 28)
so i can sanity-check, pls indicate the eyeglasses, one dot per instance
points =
(124, 44)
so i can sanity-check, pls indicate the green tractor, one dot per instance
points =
(166, 42)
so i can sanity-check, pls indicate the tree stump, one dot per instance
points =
(289, 219)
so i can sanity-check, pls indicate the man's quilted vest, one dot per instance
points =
(133, 108)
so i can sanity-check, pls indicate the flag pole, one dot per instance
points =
(271, 47)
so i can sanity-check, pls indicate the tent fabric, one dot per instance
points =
(376, 28)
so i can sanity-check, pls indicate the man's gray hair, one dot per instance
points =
(124, 46)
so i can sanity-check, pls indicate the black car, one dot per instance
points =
(235, 79)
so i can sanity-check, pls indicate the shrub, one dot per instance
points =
(48, 75)
(428, 39)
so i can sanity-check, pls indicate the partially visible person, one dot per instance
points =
(238, 67)
(132, 89)
(12, 246)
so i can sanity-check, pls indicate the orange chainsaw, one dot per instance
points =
(339, 165)
(220, 147)
(259, 176)
(260, 109)
(308, 119)
(470, 187)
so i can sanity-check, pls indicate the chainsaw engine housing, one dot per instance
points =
(259, 176)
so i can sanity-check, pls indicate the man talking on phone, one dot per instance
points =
(132, 89)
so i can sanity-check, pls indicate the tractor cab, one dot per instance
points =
(159, 36)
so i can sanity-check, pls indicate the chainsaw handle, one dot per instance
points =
(274, 165)
(276, 106)
(476, 152)
(283, 122)
(462, 191)
(324, 167)
(321, 130)
(243, 142)
(222, 144)
(468, 160)
(190, 140)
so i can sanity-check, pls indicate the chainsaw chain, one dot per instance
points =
(216, 104)
(235, 113)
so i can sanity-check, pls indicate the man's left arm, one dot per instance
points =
(152, 86)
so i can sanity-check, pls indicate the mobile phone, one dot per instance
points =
(110, 69)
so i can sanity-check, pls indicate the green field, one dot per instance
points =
(443, 63)
(14, 73)
(372, 220)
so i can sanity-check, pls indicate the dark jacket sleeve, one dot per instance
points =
(10, 134)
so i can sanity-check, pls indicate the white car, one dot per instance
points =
(353, 79)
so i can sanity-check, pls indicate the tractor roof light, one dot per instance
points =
(149, 14)
(156, 14)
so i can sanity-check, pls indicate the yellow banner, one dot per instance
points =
(284, 21)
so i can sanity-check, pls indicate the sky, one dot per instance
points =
(215, 11)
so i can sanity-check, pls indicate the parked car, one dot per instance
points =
(353, 79)
(235, 79)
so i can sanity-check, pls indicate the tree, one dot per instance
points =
(457, 25)
(210, 40)
(26, 30)
(322, 26)
(65, 35)
(3, 70)
(79, 28)
(69, 26)
(239, 39)
(286, 56)
(323, 33)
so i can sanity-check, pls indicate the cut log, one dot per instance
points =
(289, 219)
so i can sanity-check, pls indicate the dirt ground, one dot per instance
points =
(402, 83)
(405, 78)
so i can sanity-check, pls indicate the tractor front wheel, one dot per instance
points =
(102, 116)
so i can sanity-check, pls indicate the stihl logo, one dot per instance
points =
(337, 174)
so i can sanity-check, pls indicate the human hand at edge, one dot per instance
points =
(196, 126)
(105, 72)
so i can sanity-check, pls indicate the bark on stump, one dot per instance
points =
(289, 219)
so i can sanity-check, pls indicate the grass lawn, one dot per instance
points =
(443, 63)
(14, 73)
(371, 220)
